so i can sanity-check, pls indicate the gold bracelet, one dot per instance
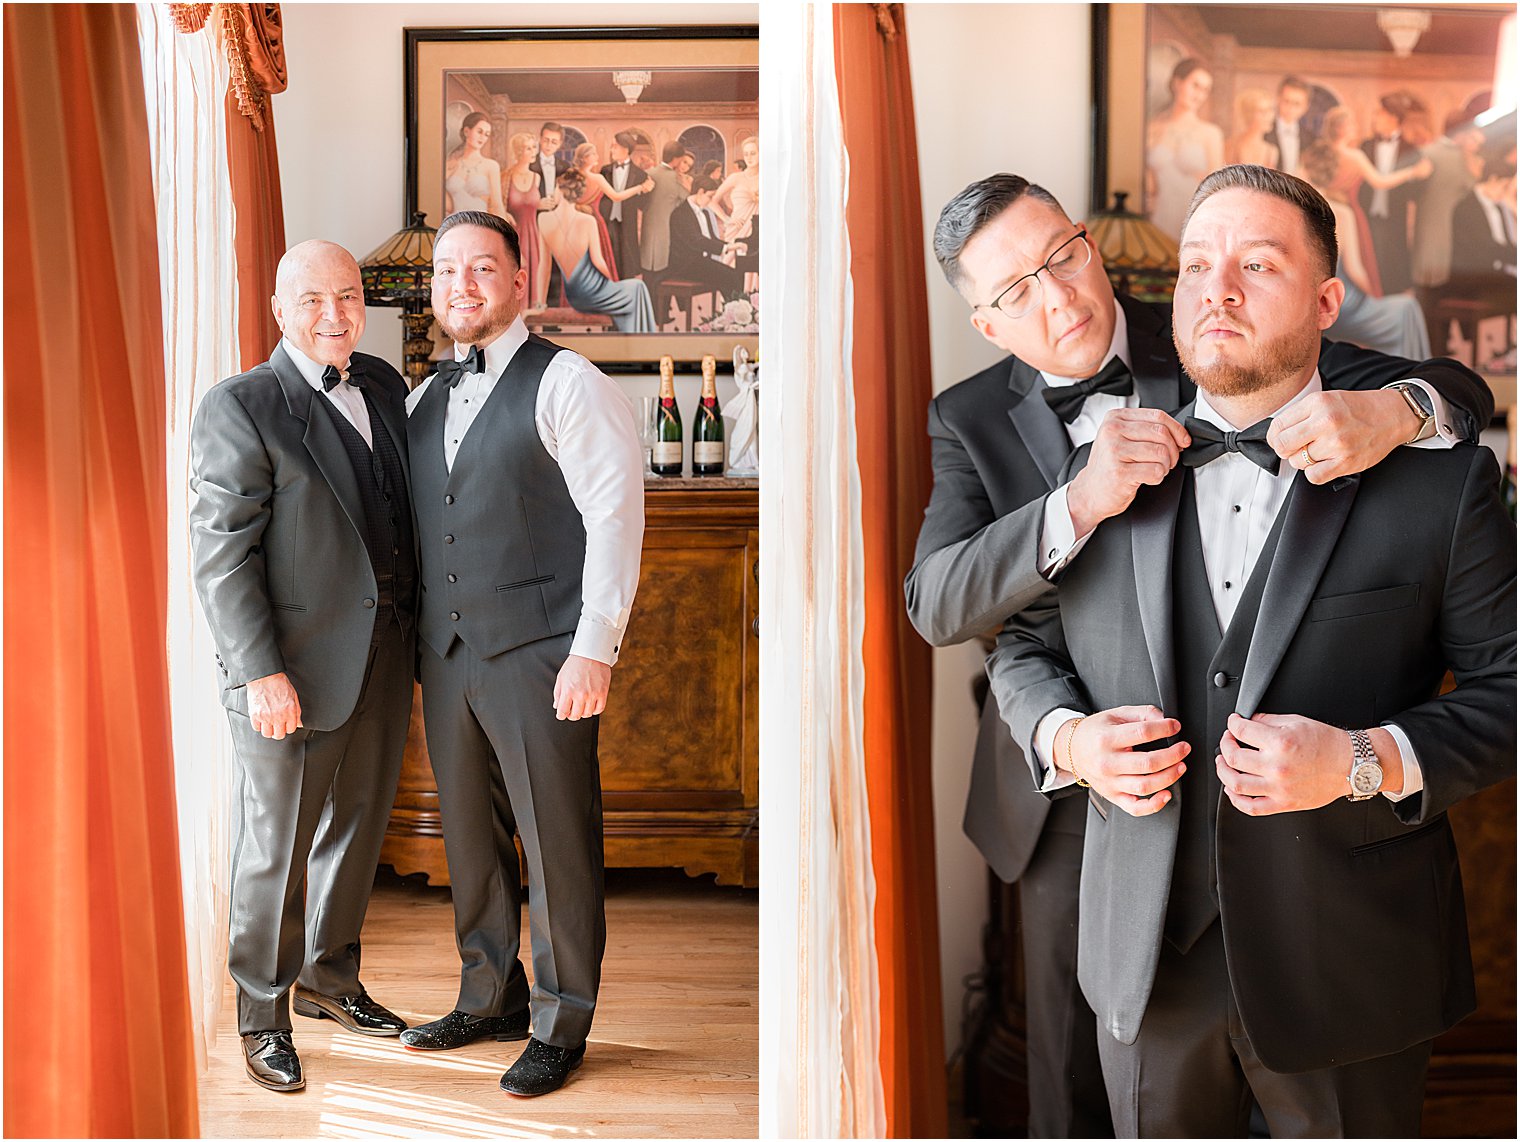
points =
(1071, 765)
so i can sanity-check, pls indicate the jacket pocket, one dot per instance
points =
(1399, 838)
(1097, 803)
(287, 606)
(1364, 603)
(526, 583)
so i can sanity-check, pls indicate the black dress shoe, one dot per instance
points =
(541, 1068)
(459, 1029)
(357, 1013)
(272, 1060)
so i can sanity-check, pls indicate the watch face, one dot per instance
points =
(1367, 777)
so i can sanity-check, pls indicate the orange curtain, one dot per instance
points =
(97, 1015)
(892, 390)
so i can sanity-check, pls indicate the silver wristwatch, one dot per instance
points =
(1366, 776)
(1420, 404)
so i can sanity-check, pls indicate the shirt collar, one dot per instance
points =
(1203, 410)
(499, 353)
(310, 371)
(1118, 347)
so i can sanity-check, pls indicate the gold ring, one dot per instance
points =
(1308, 460)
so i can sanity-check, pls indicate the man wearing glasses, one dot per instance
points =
(1087, 366)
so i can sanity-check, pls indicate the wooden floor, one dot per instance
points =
(673, 1052)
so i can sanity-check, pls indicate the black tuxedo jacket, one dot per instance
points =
(1474, 252)
(1390, 235)
(537, 168)
(1343, 926)
(997, 451)
(631, 206)
(690, 251)
(277, 535)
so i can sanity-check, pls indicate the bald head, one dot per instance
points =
(319, 301)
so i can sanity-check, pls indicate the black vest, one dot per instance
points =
(387, 514)
(503, 544)
(1209, 665)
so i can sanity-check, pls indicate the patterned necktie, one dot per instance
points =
(1066, 401)
(450, 373)
(1211, 442)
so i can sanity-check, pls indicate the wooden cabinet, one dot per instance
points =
(678, 749)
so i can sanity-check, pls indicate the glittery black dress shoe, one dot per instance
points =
(541, 1068)
(272, 1060)
(459, 1029)
(357, 1013)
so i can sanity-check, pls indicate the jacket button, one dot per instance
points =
(454, 615)
(369, 602)
(453, 578)
(1221, 680)
(448, 539)
(448, 499)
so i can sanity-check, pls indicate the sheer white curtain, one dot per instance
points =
(820, 1037)
(186, 81)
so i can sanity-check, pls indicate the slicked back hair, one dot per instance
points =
(487, 221)
(1319, 219)
(973, 208)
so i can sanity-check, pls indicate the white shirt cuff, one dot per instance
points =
(1044, 749)
(596, 640)
(1059, 544)
(1414, 778)
(1444, 437)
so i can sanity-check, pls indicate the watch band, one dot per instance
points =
(1363, 758)
(1419, 404)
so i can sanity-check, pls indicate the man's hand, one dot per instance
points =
(1283, 763)
(1103, 754)
(580, 691)
(1345, 432)
(273, 706)
(1134, 447)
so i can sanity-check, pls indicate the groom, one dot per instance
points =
(1271, 903)
(528, 482)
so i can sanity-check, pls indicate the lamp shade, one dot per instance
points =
(1140, 258)
(400, 269)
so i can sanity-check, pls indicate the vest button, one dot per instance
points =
(369, 603)
(454, 615)
(448, 499)
(453, 578)
(448, 539)
(1221, 680)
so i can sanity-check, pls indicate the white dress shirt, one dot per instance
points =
(1287, 146)
(1385, 153)
(619, 182)
(549, 175)
(586, 424)
(1238, 502)
(342, 396)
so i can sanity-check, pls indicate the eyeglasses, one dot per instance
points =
(1023, 296)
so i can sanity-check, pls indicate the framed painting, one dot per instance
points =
(1389, 112)
(627, 160)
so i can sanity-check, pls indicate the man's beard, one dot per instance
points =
(488, 324)
(1272, 363)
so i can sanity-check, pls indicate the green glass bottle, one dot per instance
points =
(667, 458)
(707, 430)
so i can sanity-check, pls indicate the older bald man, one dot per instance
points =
(306, 566)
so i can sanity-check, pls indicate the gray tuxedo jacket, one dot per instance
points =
(654, 235)
(1343, 927)
(277, 535)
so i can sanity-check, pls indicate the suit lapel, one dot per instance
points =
(1153, 358)
(1153, 524)
(1316, 516)
(321, 439)
(1041, 430)
(393, 417)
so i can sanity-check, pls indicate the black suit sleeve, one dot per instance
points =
(1467, 395)
(233, 483)
(1465, 740)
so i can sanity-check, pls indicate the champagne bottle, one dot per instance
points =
(666, 460)
(707, 431)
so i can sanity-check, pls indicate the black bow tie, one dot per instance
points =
(450, 373)
(1067, 400)
(331, 376)
(1211, 442)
